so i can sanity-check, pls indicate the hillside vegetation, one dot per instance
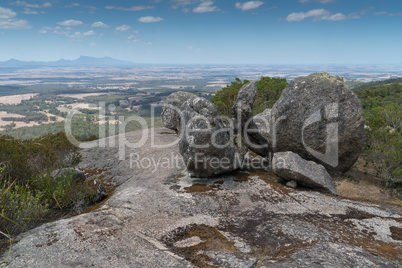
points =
(269, 91)
(383, 114)
(29, 195)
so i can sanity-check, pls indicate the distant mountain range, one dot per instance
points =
(81, 61)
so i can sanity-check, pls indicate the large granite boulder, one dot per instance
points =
(207, 145)
(172, 108)
(243, 106)
(199, 106)
(258, 137)
(291, 167)
(319, 118)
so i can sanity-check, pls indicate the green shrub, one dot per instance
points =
(225, 98)
(28, 194)
(27, 159)
(384, 142)
(63, 192)
(383, 114)
(269, 91)
(20, 208)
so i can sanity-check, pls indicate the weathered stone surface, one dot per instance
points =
(332, 255)
(243, 106)
(171, 117)
(225, 259)
(239, 213)
(70, 172)
(207, 146)
(290, 166)
(199, 107)
(319, 118)
(259, 133)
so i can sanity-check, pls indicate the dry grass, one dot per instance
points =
(362, 183)
(16, 99)
(363, 191)
(19, 124)
(81, 96)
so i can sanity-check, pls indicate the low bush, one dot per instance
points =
(383, 114)
(27, 159)
(20, 208)
(63, 192)
(269, 91)
(29, 195)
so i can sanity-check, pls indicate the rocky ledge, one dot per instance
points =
(160, 217)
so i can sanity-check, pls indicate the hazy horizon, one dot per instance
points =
(290, 32)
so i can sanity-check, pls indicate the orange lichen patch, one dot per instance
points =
(286, 250)
(108, 184)
(98, 205)
(96, 172)
(344, 231)
(100, 174)
(241, 176)
(213, 241)
(390, 251)
(273, 181)
(279, 252)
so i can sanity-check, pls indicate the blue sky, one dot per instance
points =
(204, 31)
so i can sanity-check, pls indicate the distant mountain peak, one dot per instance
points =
(81, 61)
(13, 60)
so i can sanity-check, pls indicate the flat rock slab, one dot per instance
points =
(291, 167)
(229, 220)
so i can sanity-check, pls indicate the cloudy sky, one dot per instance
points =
(204, 31)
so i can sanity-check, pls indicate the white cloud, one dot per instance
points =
(133, 8)
(70, 23)
(122, 28)
(149, 19)
(73, 5)
(99, 24)
(77, 36)
(317, 15)
(32, 12)
(89, 33)
(8, 20)
(249, 5)
(388, 14)
(93, 44)
(194, 49)
(132, 39)
(66, 31)
(55, 30)
(322, 14)
(205, 6)
(318, 1)
(182, 3)
(25, 4)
